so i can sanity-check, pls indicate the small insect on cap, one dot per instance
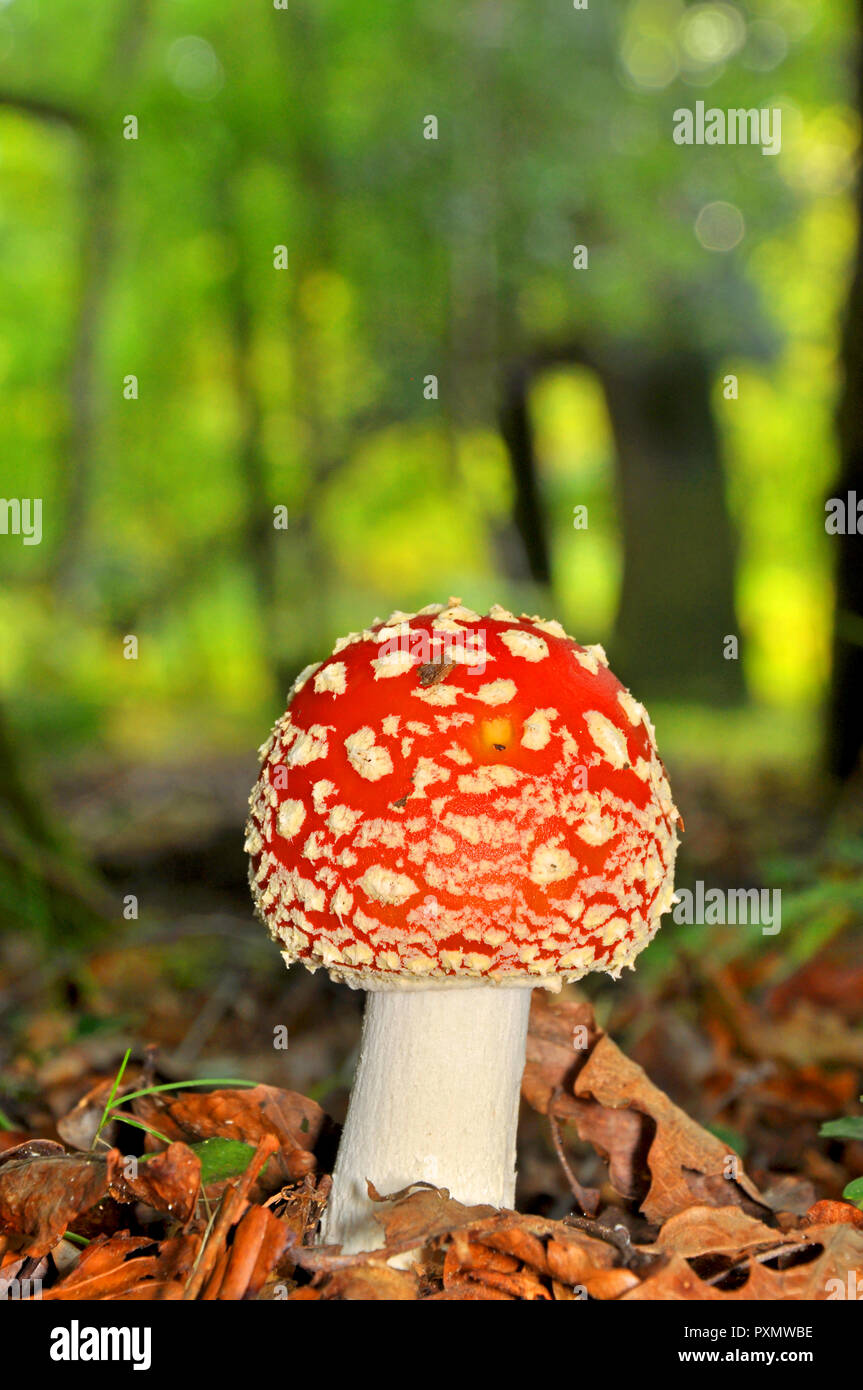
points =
(456, 799)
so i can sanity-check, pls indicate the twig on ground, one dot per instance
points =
(587, 1197)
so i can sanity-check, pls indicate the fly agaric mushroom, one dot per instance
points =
(455, 809)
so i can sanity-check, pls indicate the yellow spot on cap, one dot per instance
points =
(496, 735)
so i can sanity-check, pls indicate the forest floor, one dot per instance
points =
(679, 1154)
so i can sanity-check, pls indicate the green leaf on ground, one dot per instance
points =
(850, 1127)
(854, 1193)
(222, 1158)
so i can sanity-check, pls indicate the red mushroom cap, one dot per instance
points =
(461, 799)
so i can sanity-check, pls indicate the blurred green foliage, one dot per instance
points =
(303, 387)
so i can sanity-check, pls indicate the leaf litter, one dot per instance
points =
(213, 1190)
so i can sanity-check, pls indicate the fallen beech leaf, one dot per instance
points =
(607, 1284)
(828, 1213)
(623, 1137)
(105, 1253)
(372, 1282)
(553, 1055)
(828, 1276)
(78, 1128)
(423, 1215)
(154, 1290)
(168, 1181)
(108, 1284)
(572, 1258)
(463, 1256)
(523, 1285)
(467, 1291)
(114, 1267)
(177, 1255)
(418, 1216)
(210, 1290)
(703, 1230)
(31, 1148)
(246, 1115)
(523, 1244)
(681, 1155)
(16, 1268)
(40, 1196)
(676, 1281)
(818, 1035)
(259, 1242)
(274, 1243)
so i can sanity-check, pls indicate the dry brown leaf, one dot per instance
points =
(524, 1284)
(703, 1230)
(840, 1262)
(469, 1292)
(521, 1243)
(248, 1115)
(572, 1258)
(168, 1181)
(211, 1290)
(676, 1281)
(105, 1253)
(684, 1160)
(110, 1283)
(259, 1242)
(30, 1148)
(423, 1215)
(177, 1255)
(41, 1195)
(114, 1267)
(464, 1255)
(608, 1284)
(623, 1138)
(79, 1127)
(152, 1291)
(827, 1213)
(834, 981)
(371, 1282)
(553, 1059)
(275, 1241)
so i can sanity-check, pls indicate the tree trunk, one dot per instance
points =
(527, 514)
(677, 602)
(845, 738)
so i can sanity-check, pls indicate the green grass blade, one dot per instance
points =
(179, 1085)
(117, 1080)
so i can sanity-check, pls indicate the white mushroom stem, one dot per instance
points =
(435, 1098)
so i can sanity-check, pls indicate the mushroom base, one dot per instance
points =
(435, 1099)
